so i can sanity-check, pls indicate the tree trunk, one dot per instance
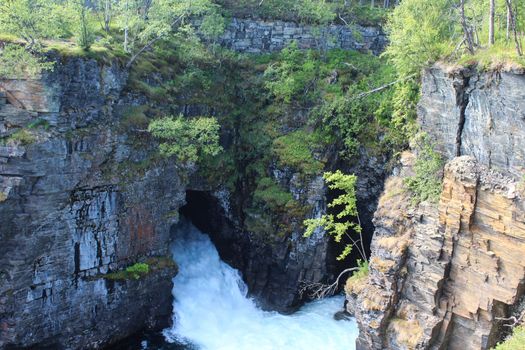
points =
(466, 30)
(509, 18)
(514, 29)
(492, 14)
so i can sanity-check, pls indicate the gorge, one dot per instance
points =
(106, 242)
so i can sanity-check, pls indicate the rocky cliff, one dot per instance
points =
(442, 275)
(73, 212)
(84, 195)
(258, 36)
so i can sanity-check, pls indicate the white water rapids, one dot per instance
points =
(212, 311)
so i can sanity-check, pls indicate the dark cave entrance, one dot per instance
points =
(206, 213)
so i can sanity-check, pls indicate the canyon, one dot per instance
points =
(86, 198)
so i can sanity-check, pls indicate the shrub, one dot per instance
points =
(343, 223)
(18, 63)
(427, 180)
(187, 139)
(295, 150)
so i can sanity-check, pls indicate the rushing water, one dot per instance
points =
(212, 311)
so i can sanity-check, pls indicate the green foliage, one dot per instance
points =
(271, 194)
(307, 11)
(334, 88)
(420, 33)
(362, 270)
(187, 139)
(515, 342)
(85, 32)
(293, 75)
(21, 137)
(3, 197)
(427, 181)
(32, 20)
(213, 25)
(295, 150)
(343, 222)
(135, 271)
(18, 63)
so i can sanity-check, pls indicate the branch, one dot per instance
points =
(384, 87)
(152, 41)
(320, 290)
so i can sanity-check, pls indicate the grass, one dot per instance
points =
(21, 137)
(500, 57)
(141, 269)
(357, 281)
(515, 342)
(406, 332)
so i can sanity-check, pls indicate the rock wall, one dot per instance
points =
(257, 36)
(441, 275)
(71, 211)
(480, 114)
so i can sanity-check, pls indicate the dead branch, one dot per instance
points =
(384, 87)
(320, 290)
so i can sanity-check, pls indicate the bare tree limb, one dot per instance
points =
(320, 290)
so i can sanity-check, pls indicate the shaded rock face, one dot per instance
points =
(275, 268)
(257, 36)
(441, 275)
(69, 214)
(480, 114)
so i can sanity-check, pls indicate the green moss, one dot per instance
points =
(295, 150)
(515, 342)
(141, 269)
(38, 123)
(134, 117)
(270, 193)
(23, 137)
(3, 197)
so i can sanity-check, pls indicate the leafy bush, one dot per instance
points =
(18, 63)
(187, 139)
(427, 181)
(343, 223)
(270, 193)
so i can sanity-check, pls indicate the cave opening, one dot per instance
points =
(205, 212)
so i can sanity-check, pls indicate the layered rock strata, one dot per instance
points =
(443, 275)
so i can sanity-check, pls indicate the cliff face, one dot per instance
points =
(71, 211)
(441, 275)
(256, 36)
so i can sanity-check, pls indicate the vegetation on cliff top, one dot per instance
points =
(468, 31)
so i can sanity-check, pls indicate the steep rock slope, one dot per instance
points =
(71, 211)
(441, 275)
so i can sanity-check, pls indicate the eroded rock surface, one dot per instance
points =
(71, 212)
(442, 275)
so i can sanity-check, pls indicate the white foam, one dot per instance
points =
(211, 309)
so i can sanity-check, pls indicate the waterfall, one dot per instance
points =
(212, 310)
